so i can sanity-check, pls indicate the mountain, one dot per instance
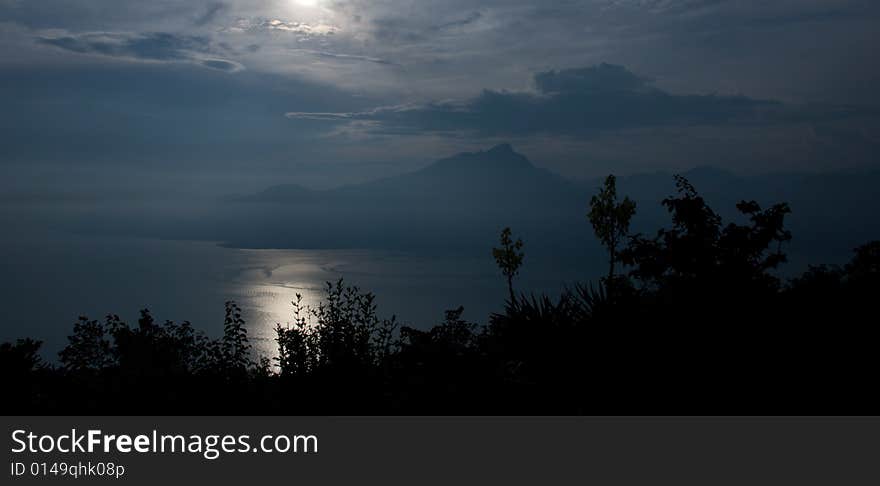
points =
(496, 175)
(284, 193)
(461, 202)
(457, 202)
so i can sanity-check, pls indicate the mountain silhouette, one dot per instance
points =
(281, 193)
(463, 200)
(455, 202)
(460, 203)
(499, 174)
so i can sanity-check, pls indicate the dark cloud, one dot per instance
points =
(594, 79)
(151, 46)
(574, 101)
(345, 57)
(221, 65)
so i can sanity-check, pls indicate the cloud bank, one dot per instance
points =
(603, 97)
(152, 46)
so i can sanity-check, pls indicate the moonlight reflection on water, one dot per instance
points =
(418, 289)
(266, 292)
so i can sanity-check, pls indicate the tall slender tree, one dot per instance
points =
(509, 258)
(610, 220)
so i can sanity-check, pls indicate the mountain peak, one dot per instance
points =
(500, 158)
(501, 148)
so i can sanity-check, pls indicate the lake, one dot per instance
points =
(51, 278)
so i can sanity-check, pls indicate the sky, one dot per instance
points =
(133, 99)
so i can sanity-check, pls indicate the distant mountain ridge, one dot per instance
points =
(460, 203)
(494, 172)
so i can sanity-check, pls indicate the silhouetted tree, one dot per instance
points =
(88, 348)
(235, 349)
(698, 248)
(343, 332)
(866, 262)
(297, 343)
(509, 258)
(610, 220)
(154, 349)
(21, 358)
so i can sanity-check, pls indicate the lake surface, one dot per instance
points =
(51, 278)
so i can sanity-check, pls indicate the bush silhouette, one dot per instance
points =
(342, 334)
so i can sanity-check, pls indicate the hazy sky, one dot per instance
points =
(212, 97)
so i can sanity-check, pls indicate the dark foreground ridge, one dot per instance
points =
(696, 324)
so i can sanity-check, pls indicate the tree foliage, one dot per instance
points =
(509, 258)
(611, 220)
